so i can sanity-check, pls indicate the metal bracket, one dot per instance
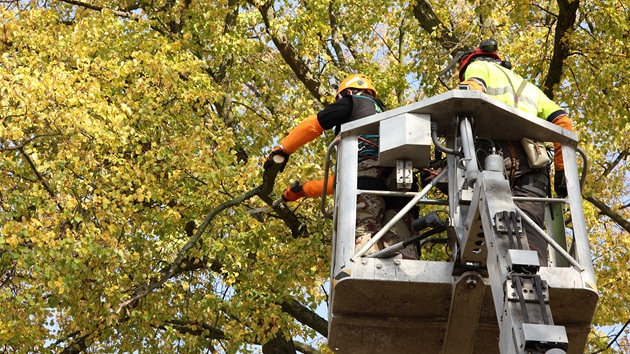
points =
(528, 293)
(404, 174)
(501, 223)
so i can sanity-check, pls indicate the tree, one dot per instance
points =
(132, 136)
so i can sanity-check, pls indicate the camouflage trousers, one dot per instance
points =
(372, 216)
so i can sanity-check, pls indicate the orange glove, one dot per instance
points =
(562, 121)
(293, 193)
(473, 84)
(315, 188)
(307, 190)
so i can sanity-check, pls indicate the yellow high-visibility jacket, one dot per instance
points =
(510, 88)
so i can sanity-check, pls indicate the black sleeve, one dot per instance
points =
(555, 115)
(335, 114)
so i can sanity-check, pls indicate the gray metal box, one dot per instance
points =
(534, 334)
(406, 136)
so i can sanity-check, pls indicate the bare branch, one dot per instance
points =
(288, 53)
(125, 14)
(429, 21)
(263, 191)
(561, 46)
(304, 315)
(172, 268)
(606, 210)
(40, 178)
(334, 35)
(198, 329)
(620, 158)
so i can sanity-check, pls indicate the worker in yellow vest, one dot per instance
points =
(483, 70)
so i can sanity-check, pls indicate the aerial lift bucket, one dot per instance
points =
(459, 305)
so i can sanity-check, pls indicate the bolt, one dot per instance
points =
(379, 266)
(397, 262)
(471, 283)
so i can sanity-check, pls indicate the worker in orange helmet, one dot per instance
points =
(483, 70)
(355, 99)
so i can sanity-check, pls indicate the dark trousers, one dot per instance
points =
(527, 182)
(536, 212)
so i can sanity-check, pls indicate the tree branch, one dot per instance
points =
(604, 209)
(429, 21)
(561, 44)
(194, 328)
(620, 157)
(279, 344)
(304, 315)
(263, 191)
(39, 176)
(172, 268)
(334, 35)
(304, 348)
(125, 14)
(288, 53)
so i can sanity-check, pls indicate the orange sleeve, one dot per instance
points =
(314, 188)
(308, 130)
(562, 121)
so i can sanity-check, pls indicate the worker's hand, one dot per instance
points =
(293, 193)
(473, 85)
(277, 156)
(560, 184)
(428, 174)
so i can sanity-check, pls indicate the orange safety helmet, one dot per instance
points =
(356, 81)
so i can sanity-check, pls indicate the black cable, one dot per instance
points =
(541, 301)
(518, 285)
(508, 228)
(514, 223)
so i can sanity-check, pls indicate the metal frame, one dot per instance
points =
(375, 304)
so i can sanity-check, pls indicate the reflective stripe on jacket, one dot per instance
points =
(503, 84)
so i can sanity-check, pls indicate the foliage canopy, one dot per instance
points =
(132, 136)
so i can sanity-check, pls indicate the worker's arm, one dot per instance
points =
(562, 121)
(559, 183)
(308, 130)
(311, 128)
(476, 76)
(307, 190)
(556, 115)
